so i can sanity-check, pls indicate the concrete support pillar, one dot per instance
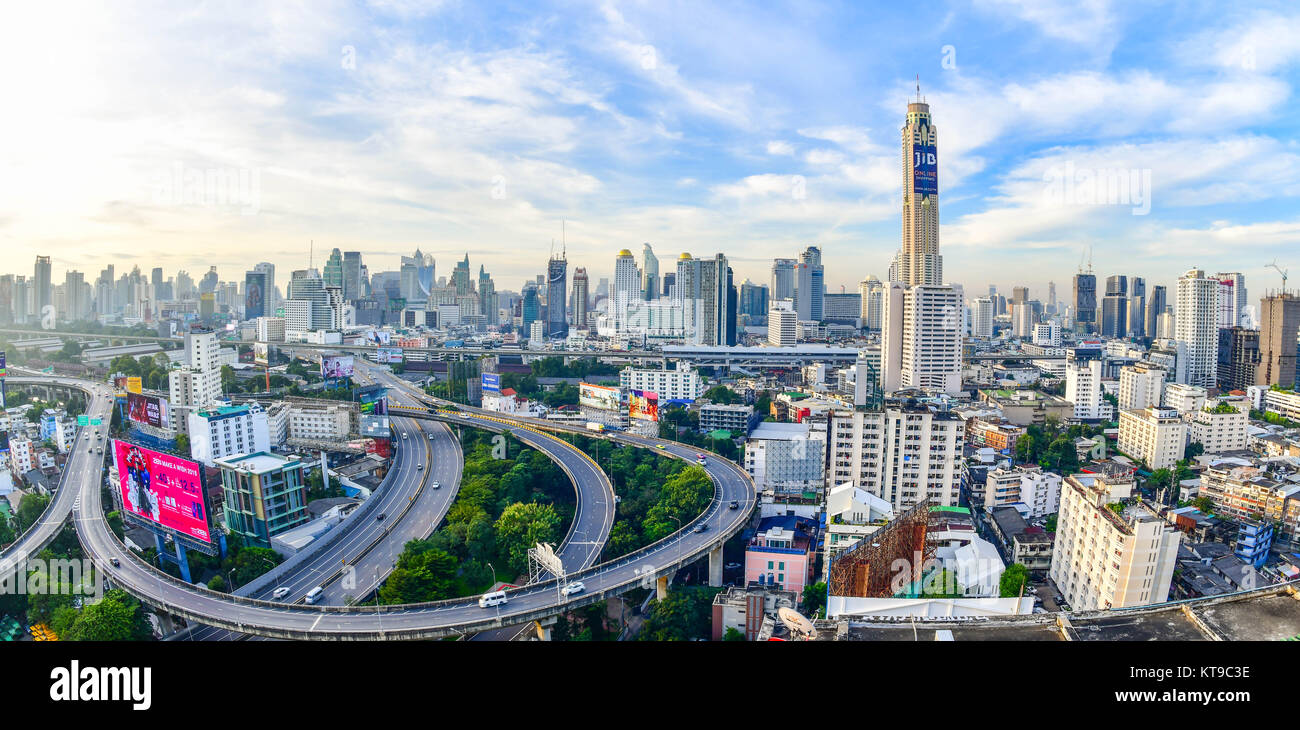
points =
(715, 566)
(183, 560)
(544, 627)
(661, 588)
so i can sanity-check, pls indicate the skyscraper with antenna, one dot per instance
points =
(918, 260)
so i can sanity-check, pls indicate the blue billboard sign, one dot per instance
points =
(925, 169)
(491, 383)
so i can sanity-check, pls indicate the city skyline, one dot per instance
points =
(648, 133)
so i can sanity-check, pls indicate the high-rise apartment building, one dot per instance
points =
(900, 454)
(981, 325)
(1154, 435)
(1196, 324)
(42, 285)
(1232, 299)
(627, 286)
(352, 285)
(1114, 308)
(581, 297)
(1239, 358)
(781, 324)
(921, 344)
(783, 279)
(1156, 305)
(1140, 385)
(1110, 558)
(873, 302)
(810, 286)
(1083, 369)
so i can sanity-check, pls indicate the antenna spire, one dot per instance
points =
(918, 87)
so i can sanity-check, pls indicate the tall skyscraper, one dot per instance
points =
(1114, 308)
(557, 279)
(333, 273)
(753, 299)
(783, 281)
(1156, 306)
(873, 302)
(255, 298)
(1196, 324)
(627, 287)
(716, 301)
(529, 307)
(649, 274)
(352, 275)
(43, 288)
(270, 294)
(1232, 299)
(487, 298)
(810, 287)
(919, 261)
(1137, 305)
(1279, 320)
(74, 291)
(1085, 303)
(581, 297)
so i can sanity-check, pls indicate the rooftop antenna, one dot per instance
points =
(311, 250)
(564, 242)
(1089, 258)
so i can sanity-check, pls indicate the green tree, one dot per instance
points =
(117, 617)
(523, 525)
(30, 510)
(218, 584)
(1014, 579)
(685, 614)
(732, 634)
(722, 394)
(814, 598)
(1204, 504)
(423, 573)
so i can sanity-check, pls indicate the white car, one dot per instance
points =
(280, 593)
(435, 485)
(574, 587)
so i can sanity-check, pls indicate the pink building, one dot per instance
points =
(782, 554)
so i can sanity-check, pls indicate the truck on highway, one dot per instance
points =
(593, 426)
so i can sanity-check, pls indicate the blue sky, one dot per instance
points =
(754, 130)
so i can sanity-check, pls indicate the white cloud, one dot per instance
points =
(1077, 21)
(779, 147)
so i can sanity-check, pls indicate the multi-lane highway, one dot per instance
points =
(84, 466)
(356, 556)
(432, 620)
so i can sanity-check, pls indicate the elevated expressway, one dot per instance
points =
(648, 567)
(82, 468)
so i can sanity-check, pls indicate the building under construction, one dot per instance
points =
(883, 563)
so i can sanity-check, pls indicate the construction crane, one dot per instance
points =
(1281, 271)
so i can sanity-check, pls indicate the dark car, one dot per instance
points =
(701, 527)
(734, 505)
(116, 563)
(380, 517)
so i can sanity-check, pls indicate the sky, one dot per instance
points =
(223, 134)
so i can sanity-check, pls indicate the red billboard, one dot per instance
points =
(162, 488)
(148, 410)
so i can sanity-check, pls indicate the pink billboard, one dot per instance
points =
(162, 488)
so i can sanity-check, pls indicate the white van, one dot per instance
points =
(495, 598)
(313, 595)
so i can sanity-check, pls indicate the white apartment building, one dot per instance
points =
(902, 455)
(1196, 323)
(65, 433)
(786, 458)
(1285, 403)
(1183, 398)
(679, 383)
(222, 431)
(270, 329)
(197, 384)
(1037, 490)
(782, 324)
(1140, 385)
(981, 320)
(1040, 491)
(921, 344)
(1110, 554)
(277, 423)
(1048, 334)
(319, 422)
(22, 455)
(1155, 435)
(1222, 426)
(1083, 385)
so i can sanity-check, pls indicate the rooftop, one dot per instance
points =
(259, 462)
